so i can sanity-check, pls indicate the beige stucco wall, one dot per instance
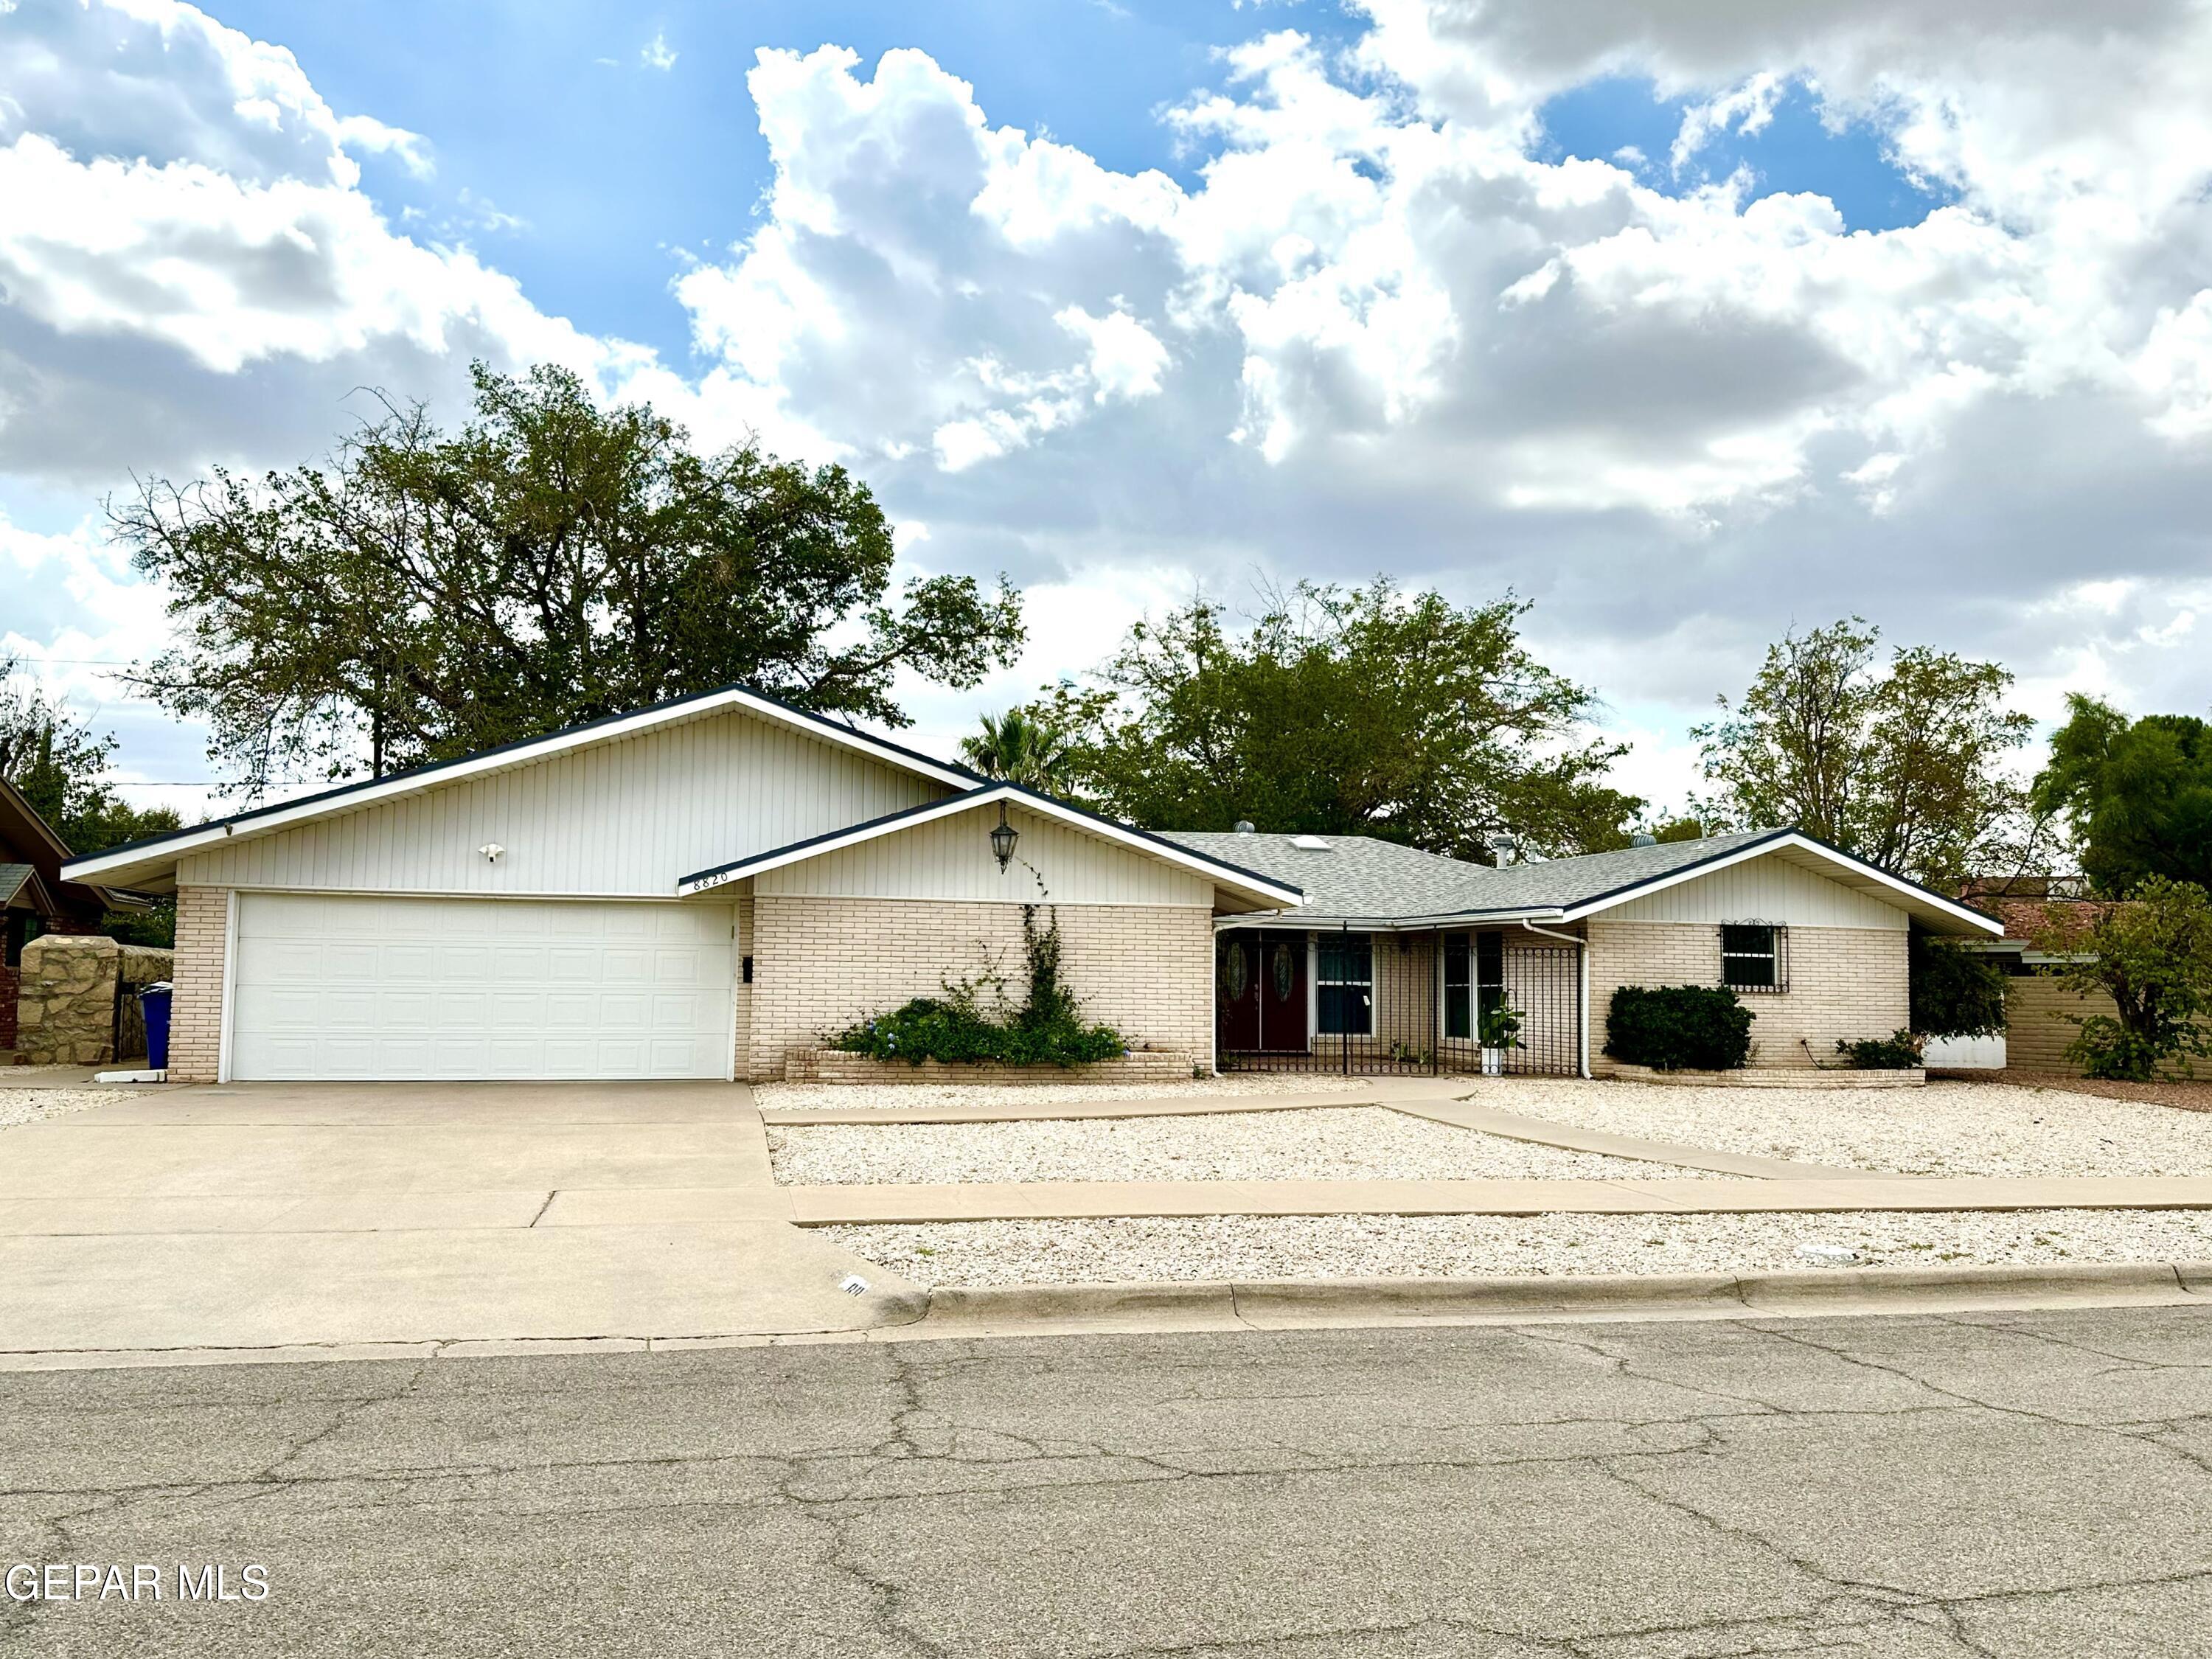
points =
(195, 1009)
(1845, 983)
(820, 963)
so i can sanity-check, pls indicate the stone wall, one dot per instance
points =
(821, 963)
(66, 1005)
(1845, 983)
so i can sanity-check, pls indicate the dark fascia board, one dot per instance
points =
(991, 790)
(928, 763)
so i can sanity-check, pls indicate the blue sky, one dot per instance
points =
(1369, 320)
(547, 111)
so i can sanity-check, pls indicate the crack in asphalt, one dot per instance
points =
(918, 1427)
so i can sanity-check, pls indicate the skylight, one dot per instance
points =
(1309, 843)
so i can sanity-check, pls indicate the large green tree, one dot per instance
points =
(426, 593)
(2137, 794)
(1346, 711)
(1901, 763)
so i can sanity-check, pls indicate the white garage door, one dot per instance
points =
(437, 988)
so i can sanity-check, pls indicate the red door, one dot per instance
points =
(1259, 987)
(1283, 994)
(1236, 992)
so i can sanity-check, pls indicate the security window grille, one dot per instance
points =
(1754, 957)
(1346, 980)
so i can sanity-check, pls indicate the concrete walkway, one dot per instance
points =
(1046, 1199)
(1441, 1101)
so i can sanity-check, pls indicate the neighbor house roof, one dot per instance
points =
(1358, 880)
(20, 878)
(1247, 885)
(158, 855)
(28, 842)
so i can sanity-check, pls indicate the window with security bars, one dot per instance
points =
(1755, 956)
(1346, 980)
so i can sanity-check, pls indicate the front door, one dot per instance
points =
(1260, 982)
(1236, 992)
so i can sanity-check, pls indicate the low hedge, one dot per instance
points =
(1679, 1028)
(1899, 1052)
(950, 1028)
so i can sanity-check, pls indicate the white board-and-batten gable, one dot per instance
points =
(950, 858)
(1772, 888)
(624, 817)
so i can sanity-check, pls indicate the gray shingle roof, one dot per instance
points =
(1360, 878)
(13, 879)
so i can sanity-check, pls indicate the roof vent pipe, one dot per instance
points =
(1502, 849)
(1243, 826)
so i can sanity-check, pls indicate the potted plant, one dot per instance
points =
(1498, 1030)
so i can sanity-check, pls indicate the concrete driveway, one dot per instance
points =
(282, 1216)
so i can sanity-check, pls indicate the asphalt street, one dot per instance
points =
(2034, 1484)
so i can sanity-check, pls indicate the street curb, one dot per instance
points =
(1283, 1303)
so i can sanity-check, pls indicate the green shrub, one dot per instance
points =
(1899, 1052)
(1677, 1028)
(1047, 1030)
(1955, 992)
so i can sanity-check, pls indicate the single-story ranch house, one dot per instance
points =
(706, 888)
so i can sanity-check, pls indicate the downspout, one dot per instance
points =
(1582, 984)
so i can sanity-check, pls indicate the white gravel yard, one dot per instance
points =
(19, 1106)
(873, 1096)
(1320, 1143)
(1447, 1247)
(1946, 1129)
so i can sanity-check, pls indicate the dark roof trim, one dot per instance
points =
(1175, 851)
(1742, 848)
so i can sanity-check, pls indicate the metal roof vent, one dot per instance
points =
(1309, 843)
(1243, 826)
(1502, 849)
(1643, 838)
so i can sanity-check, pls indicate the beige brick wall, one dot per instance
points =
(743, 1024)
(1844, 983)
(821, 963)
(2036, 1031)
(195, 1010)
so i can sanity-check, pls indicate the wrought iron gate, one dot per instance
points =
(1337, 999)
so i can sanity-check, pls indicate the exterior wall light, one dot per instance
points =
(1003, 839)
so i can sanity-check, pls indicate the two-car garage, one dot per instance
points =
(339, 987)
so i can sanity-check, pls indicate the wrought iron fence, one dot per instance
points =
(1391, 1003)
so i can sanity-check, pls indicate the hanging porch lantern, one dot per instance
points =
(1003, 839)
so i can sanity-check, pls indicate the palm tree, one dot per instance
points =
(1018, 747)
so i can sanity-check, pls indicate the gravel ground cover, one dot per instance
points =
(865, 1097)
(2185, 1094)
(1444, 1247)
(1946, 1129)
(1321, 1144)
(19, 1106)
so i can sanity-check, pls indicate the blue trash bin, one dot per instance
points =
(154, 999)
